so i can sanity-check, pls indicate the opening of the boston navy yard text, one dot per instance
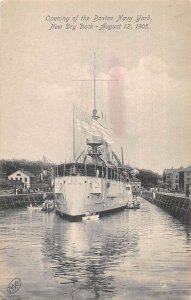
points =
(120, 21)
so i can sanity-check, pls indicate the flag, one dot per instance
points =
(85, 127)
(83, 122)
(102, 131)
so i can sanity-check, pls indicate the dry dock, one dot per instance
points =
(176, 205)
(23, 200)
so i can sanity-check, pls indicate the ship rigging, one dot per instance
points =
(99, 183)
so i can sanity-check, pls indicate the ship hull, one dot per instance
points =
(77, 195)
(79, 217)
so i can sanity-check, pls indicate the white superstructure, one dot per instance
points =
(97, 186)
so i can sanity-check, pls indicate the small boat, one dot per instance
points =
(134, 204)
(90, 217)
(48, 209)
(48, 206)
(130, 205)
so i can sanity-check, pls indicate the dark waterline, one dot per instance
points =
(142, 254)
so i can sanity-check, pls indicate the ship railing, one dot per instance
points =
(94, 140)
(95, 171)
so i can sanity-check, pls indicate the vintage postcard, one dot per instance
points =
(95, 149)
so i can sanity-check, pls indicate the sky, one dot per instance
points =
(147, 101)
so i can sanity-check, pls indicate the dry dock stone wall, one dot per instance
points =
(24, 200)
(178, 206)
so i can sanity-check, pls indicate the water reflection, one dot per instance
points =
(143, 254)
(83, 253)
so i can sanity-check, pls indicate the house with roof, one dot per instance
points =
(171, 178)
(25, 177)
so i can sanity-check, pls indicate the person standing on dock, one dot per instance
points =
(44, 195)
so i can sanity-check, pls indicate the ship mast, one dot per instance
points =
(95, 116)
(94, 85)
(74, 137)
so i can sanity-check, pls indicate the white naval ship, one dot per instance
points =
(96, 185)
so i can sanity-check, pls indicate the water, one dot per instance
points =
(142, 254)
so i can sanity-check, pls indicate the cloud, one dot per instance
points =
(148, 108)
(156, 113)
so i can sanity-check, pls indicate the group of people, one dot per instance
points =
(48, 205)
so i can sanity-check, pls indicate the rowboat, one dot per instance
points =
(134, 204)
(90, 217)
(48, 206)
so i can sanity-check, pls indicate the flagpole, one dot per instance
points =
(74, 145)
(94, 85)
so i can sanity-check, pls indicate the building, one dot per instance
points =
(25, 177)
(136, 185)
(177, 179)
(185, 178)
(171, 179)
(174, 180)
(166, 178)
